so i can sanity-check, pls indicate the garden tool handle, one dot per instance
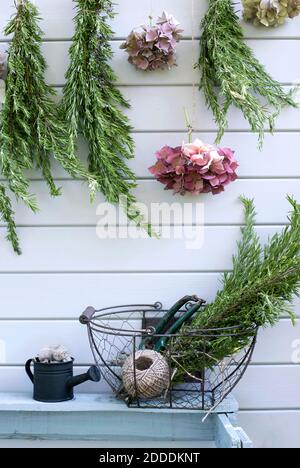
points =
(87, 315)
(164, 322)
(178, 324)
(28, 369)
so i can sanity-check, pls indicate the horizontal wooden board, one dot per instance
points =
(279, 344)
(23, 443)
(162, 110)
(253, 163)
(262, 387)
(169, 116)
(57, 17)
(284, 70)
(74, 207)
(147, 102)
(26, 338)
(80, 249)
(54, 294)
(51, 296)
(268, 429)
(269, 387)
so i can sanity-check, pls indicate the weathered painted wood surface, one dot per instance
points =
(79, 249)
(55, 298)
(263, 387)
(74, 209)
(102, 417)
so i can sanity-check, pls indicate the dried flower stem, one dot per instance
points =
(189, 125)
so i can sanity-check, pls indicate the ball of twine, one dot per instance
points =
(146, 374)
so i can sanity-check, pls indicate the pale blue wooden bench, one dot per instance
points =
(104, 418)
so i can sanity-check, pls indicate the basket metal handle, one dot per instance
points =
(87, 315)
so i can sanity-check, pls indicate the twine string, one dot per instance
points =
(151, 15)
(191, 120)
(194, 91)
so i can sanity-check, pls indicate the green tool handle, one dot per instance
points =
(160, 327)
(177, 325)
(164, 322)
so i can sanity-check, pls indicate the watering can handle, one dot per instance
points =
(87, 315)
(28, 369)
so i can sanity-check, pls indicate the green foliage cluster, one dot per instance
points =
(92, 106)
(260, 287)
(32, 127)
(231, 75)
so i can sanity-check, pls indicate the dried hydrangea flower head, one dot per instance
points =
(153, 47)
(293, 8)
(195, 168)
(270, 13)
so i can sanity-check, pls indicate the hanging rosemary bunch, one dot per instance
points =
(231, 75)
(32, 129)
(92, 105)
(257, 292)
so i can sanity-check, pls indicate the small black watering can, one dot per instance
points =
(54, 382)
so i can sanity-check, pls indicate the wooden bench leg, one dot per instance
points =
(229, 436)
(245, 441)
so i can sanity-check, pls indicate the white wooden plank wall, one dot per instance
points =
(66, 267)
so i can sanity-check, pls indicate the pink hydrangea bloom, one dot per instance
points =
(154, 47)
(195, 168)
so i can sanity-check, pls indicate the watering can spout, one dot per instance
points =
(92, 374)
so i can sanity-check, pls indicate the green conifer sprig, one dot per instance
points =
(32, 127)
(231, 74)
(7, 214)
(259, 289)
(92, 105)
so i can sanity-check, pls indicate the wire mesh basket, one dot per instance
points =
(126, 334)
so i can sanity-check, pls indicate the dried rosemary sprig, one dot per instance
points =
(231, 75)
(32, 129)
(92, 105)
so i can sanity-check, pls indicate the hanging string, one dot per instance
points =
(194, 58)
(190, 121)
(151, 12)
